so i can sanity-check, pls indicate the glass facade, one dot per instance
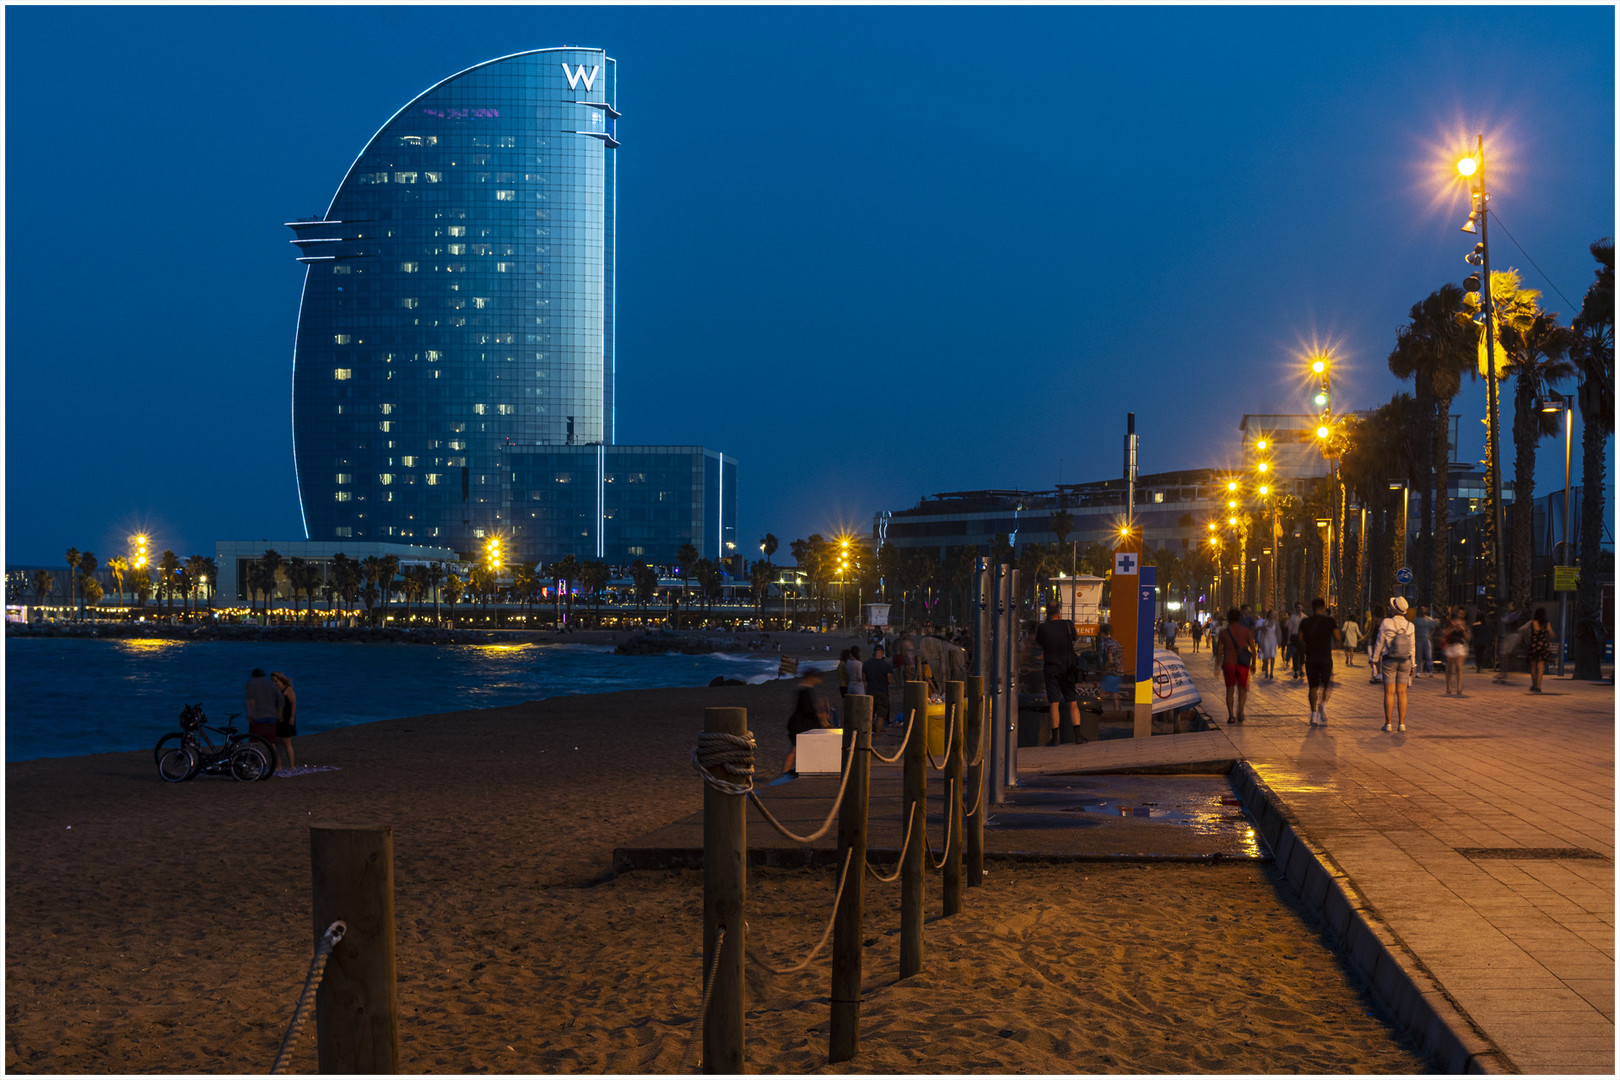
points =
(458, 303)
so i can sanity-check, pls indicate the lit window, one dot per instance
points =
(409, 267)
(456, 230)
(430, 355)
(408, 460)
(345, 478)
(343, 530)
(479, 408)
(457, 249)
(480, 301)
(385, 478)
(505, 267)
(385, 425)
(431, 478)
(505, 195)
(457, 444)
(345, 496)
(405, 178)
(409, 302)
(342, 339)
(341, 374)
(505, 410)
(341, 268)
(433, 177)
(385, 408)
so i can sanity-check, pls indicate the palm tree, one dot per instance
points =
(390, 570)
(269, 563)
(1593, 353)
(1435, 349)
(414, 588)
(72, 558)
(90, 589)
(345, 578)
(197, 567)
(87, 569)
(1536, 360)
(688, 557)
(208, 574)
(453, 586)
(566, 570)
(760, 577)
(117, 566)
(645, 579)
(44, 582)
(433, 578)
(526, 583)
(140, 584)
(768, 546)
(593, 578)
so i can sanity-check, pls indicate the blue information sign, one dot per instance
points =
(1144, 623)
(1404, 576)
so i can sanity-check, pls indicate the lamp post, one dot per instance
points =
(1322, 368)
(1553, 403)
(1472, 170)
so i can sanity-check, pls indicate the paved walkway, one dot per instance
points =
(1519, 935)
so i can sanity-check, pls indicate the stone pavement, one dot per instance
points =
(1482, 840)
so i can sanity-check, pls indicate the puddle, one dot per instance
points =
(1181, 812)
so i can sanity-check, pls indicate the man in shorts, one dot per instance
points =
(1060, 667)
(1316, 636)
(1236, 648)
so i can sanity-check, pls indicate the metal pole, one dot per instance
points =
(998, 689)
(1563, 597)
(1010, 682)
(973, 744)
(981, 618)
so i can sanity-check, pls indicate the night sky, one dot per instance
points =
(874, 253)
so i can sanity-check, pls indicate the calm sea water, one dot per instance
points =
(67, 696)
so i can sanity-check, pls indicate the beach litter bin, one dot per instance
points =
(819, 750)
(936, 728)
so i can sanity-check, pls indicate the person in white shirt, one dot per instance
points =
(1392, 658)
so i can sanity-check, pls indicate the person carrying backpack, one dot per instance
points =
(1236, 649)
(1392, 659)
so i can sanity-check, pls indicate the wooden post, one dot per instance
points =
(844, 1036)
(915, 803)
(356, 1007)
(725, 892)
(955, 705)
(973, 744)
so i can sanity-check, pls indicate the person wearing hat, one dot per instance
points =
(1392, 657)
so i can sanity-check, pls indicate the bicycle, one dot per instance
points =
(182, 754)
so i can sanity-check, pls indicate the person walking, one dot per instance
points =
(1234, 650)
(1170, 632)
(1196, 630)
(1112, 655)
(262, 705)
(1351, 633)
(875, 674)
(1316, 636)
(1060, 669)
(1484, 642)
(1456, 636)
(1375, 620)
(1538, 648)
(1423, 627)
(854, 672)
(1265, 634)
(809, 713)
(286, 720)
(1296, 655)
(1392, 659)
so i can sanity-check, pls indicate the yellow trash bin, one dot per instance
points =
(936, 729)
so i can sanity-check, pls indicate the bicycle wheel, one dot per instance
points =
(268, 750)
(249, 763)
(178, 763)
(171, 740)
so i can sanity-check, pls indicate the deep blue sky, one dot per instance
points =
(874, 253)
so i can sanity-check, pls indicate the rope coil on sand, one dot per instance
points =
(306, 999)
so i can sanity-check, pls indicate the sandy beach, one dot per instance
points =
(166, 928)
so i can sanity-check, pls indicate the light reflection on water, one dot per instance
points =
(70, 696)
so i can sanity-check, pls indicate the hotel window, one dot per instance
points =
(341, 374)
(456, 230)
(345, 496)
(409, 267)
(505, 195)
(410, 302)
(456, 249)
(343, 530)
(341, 268)
(431, 478)
(385, 425)
(385, 478)
(385, 408)
(505, 410)
(479, 408)
(345, 478)
(405, 178)
(342, 339)
(457, 444)
(480, 301)
(505, 267)
(430, 355)
(408, 460)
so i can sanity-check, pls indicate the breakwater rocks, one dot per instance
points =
(655, 644)
(212, 631)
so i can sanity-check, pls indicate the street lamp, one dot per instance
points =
(1550, 404)
(1472, 170)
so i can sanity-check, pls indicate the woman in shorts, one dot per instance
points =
(287, 722)
(1538, 648)
(1455, 635)
(1392, 659)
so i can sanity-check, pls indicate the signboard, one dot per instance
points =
(877, 614)
(1081, 597)
(1565, 578)
(1122, 611)
(1145, 593)
(1403, 576)
(1173, 688)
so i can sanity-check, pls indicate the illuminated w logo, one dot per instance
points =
(578, 76)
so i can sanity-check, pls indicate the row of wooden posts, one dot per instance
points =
(725, 855)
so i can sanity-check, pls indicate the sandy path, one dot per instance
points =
(168, 929)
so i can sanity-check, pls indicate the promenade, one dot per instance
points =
(1482, 839)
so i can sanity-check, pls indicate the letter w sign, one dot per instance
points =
(578, 76)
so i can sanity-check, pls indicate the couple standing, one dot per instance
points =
(272, 711)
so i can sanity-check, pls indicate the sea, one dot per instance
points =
(70, 696)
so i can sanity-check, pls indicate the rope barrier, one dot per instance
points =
(898, 754)
(832, 815)
(905, 846)
(306, 999)
(945, 851)
(950, 741)
(732, 754)
(843, 879)
(703, 1009)
(978, 803)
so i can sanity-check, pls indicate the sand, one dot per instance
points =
(166, 928)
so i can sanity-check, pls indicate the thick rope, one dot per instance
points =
(950, 741)
(898, 754)
(904, 847)
(978, 804)
(727, 753)
(703, 1009)
(832, 815)
(306, 999)
(843, 879)
(949, 817)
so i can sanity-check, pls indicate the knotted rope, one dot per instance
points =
(306, 999)
(731, 754)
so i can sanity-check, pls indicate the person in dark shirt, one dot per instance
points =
(1060, 667)
(809, 713)
(1316, 637)
(877, 671)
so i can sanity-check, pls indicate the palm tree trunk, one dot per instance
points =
(1589, 629)
(1439, 538)
(1526, 430)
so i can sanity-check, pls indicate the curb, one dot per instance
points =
(1397, 979)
